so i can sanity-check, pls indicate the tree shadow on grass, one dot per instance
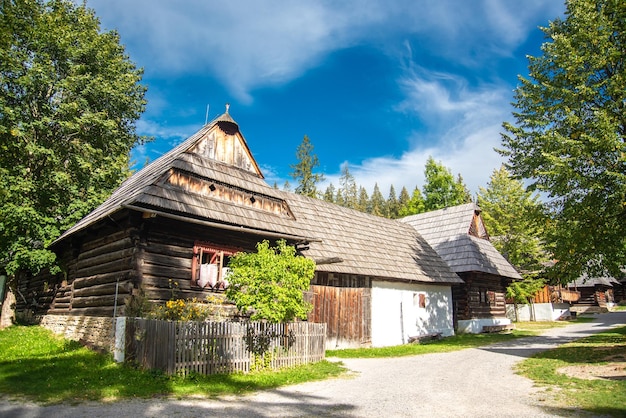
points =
(76, 376)
(64, 383)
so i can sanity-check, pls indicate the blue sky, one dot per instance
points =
(379, 85)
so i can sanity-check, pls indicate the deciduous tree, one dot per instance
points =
(515, 221)
(69, 100)
(414, 205)
(523, 292)
(440, 189)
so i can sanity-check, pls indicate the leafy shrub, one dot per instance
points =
(269, 284)
(182, 310)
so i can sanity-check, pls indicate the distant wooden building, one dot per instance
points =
(459, 236)
(600, 292)
(170, 229)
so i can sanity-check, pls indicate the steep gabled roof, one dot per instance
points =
(367, 244)
(212, 178)
(459, 236)
(209, 175)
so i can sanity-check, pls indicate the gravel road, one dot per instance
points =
(468, 383)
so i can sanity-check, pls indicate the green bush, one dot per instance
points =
(269, 284)
(180, 310)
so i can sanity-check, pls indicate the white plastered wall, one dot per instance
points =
(540, 311)
(396, 314)
(475, 326)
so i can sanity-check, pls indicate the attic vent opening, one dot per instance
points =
(200, 186)
(229, 128)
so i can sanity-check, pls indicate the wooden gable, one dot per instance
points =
(477, 227)
(224, 142)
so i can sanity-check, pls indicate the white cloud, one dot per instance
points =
(244, 44)
(165, 138)
(250, 44)
(463, 126)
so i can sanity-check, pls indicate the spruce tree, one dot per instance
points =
(377, 204)
(392, 205)
(303, 169)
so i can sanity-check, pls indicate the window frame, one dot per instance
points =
(217, 257)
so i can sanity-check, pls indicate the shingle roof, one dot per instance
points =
(366, 244)
(586, 281)
(448, 232)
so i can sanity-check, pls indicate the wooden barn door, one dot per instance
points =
(347, 313)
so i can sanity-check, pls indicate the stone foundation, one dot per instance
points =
(93, 331)
(7, 317)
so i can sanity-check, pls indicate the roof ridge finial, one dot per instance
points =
(227, 107)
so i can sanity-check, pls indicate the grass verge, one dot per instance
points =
(39, 366)
(602, 396)
(454, 343)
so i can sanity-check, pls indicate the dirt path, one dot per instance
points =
(468, 383)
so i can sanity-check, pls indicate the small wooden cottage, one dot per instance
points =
(595, 292)
(170, 229)
(459, 236)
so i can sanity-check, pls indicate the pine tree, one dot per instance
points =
(569, 136)
(363, 204)
(403, 200)
(347, 189)
(330, 193)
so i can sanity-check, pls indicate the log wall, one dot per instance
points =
(98, 276)
(470, 304)
(165, 254)
(115, 260)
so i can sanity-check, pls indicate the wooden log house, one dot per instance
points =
(595, 291)
(169, 230)
(459, 236)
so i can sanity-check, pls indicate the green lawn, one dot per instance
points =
(457, 342)
(598, 397)
(40, 366)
